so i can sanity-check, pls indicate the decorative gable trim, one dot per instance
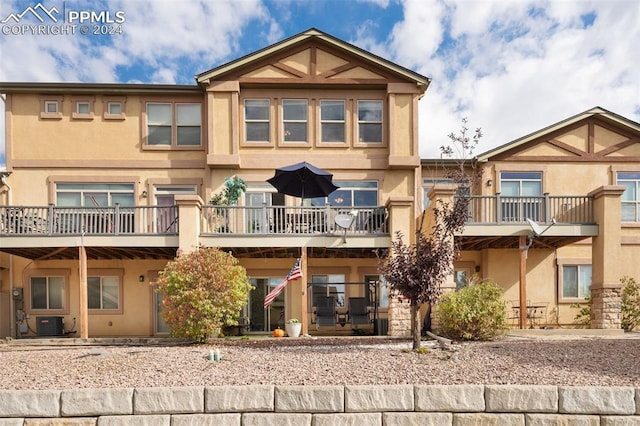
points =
(596, 135)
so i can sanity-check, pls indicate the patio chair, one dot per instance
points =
(325, 312)
(358, 311)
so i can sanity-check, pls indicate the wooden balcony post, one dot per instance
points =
(83, 294)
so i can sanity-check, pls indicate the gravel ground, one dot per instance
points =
(593, 361)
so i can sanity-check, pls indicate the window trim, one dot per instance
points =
(173, 146)
(48, 272)
(46, 100)
(310, 109)
(106, 101)
(244, 121)
(562, 263)
(636, 201)
(345, 123)
(383, 123)
(104, 272)
(76, 102)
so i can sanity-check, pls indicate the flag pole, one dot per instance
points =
(304, 318)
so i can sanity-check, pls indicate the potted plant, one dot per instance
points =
(293, 327)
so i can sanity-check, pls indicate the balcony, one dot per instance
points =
(153, 231)
(498, 221)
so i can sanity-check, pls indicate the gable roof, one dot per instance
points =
(421, 81)
(593, 112)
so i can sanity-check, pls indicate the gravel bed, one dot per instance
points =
(325, 361)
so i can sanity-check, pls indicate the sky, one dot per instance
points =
(510, 67)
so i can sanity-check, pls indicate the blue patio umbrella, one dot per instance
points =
(303, 180)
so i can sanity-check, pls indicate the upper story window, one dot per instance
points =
(370, 121)
(174, 124)
(294, 120)
(51, 107)
(427, 185)
(113, 107)
(257, 126)
(631, 196)
(82, 107)
(332, 121)
(521, 196)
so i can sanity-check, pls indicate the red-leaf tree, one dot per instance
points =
(202, 291)
(417, 271)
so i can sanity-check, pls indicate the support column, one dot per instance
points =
(84, 300)
(189, 208)
(606, 287)
(304, 318)
(523, 280)
(401, 219)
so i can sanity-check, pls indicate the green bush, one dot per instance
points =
(630, 304)
(583, 317)
(476, 312)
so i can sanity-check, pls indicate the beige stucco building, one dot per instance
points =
(554, 216)
(104, 183)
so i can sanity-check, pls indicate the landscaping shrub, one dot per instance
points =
(630, 304)
(476, 312)
(202, 291)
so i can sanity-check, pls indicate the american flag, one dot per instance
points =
(294, 274)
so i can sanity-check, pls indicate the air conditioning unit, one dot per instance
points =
(50, 326)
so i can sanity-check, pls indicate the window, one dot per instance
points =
(332, 121)
(103, 293)
(631, 196)
(113, 107)
(331, 285)
(176, 124)
(51, 107)
(83, 108)
(370, 121)
(576, 281)
(354, 194)
(521, 196)
(256, 120)
(47, 293)
(294, 116)
(94, 194)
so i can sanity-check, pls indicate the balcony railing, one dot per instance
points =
(293, 220)
(163, 220)
(115, 220)
(507, 209)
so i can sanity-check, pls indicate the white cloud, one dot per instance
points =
(513, 71)
(511, 67)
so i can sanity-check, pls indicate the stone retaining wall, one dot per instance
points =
(325, 405)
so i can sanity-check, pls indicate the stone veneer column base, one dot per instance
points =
(606, 308)
(399, 318)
